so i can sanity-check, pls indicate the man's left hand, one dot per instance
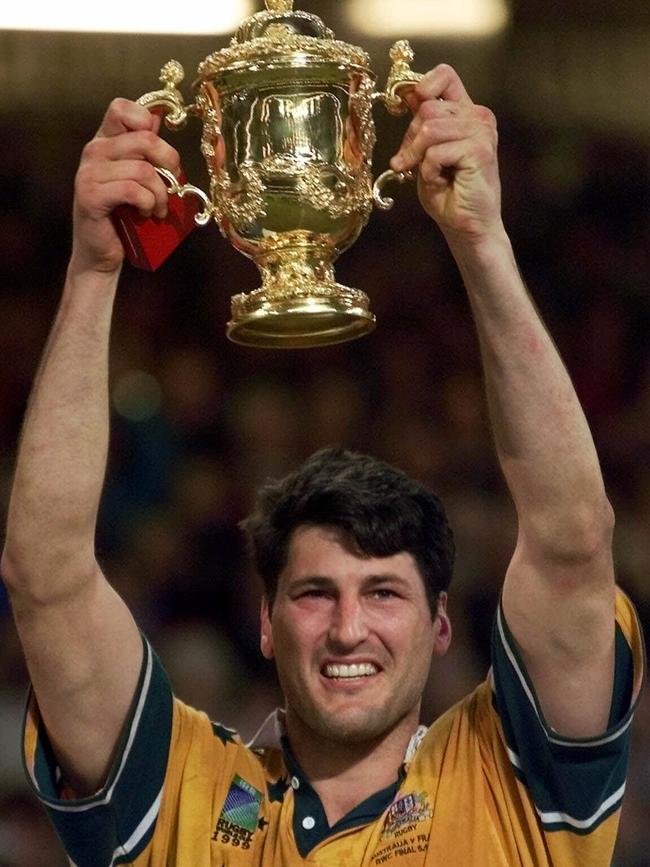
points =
(453, 142)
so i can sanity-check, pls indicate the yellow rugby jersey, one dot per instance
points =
(489, 783)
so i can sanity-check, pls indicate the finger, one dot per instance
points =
(146, 145)
(427, 131)
(431, 109)
(444, 160)
(143, 173)
(443, 82)
(124, 115)
(140, 144)
(440, 159)
(408, 94)
(100, 185)
(100, 200)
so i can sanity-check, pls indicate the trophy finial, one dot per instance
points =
(401, 53)
(279, 5)
(171, 74)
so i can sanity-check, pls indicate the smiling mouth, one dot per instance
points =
(363, 669)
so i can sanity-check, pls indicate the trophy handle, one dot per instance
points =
(170, 104)
(169, 100)
(400, 78)
(176, 189)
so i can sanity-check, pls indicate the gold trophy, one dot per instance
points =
(288, 136)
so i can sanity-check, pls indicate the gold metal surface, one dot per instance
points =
(279, 5)
(297, 51)
(400, 77)
(174, 188)
(288, 136)
(170, 99)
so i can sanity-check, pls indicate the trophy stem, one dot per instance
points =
(299, 303)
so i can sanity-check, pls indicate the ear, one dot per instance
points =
(266, 630)
(441, 627)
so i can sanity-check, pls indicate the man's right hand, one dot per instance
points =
(117, 167)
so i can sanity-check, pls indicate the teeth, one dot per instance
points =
(364, 669)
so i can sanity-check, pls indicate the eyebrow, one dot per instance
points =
(326, 582)
(318, 581)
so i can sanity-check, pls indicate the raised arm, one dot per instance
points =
(82, 647)
(558, 595)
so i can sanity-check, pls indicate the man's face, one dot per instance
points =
(352, 637)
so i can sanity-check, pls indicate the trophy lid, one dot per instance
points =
(280, 17)
(281, 34)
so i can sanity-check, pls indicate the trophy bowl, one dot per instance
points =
(288, 136)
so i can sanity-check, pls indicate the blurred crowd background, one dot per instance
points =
(198, 423)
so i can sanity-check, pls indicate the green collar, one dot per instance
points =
(310, 826)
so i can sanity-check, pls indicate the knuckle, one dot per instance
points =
(122, 107)
(427, 78)
(447, 72)
(429, 129)
(117, 105)
(143, 171)
(148, 138)
(83, 177)
(80, 186)
(92, 150)
(127, 189)
(117, 111)
(429, 109)
(486, 115)
(429, 170)
(172, 156)
(137, 195)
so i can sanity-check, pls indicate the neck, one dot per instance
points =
(344, 774)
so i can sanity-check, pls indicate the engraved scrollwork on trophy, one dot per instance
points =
(293, 280)
(323, 186)
(242, 203)
(288, 273)
(361, 103)
(211, 133)
(218, 185)
(346, 195)
(278, 32)
(211, 126)
(331, 50)
(326, 188)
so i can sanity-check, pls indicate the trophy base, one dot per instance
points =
(311, 313)
(299, 303)
(335, 314)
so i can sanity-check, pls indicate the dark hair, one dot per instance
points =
(380, 507)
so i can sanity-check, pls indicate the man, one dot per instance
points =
(528, 770)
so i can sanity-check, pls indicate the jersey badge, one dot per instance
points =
(238, 819)
(407, 811)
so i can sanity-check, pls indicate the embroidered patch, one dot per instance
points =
(238, 819)
(407, 811)
(242, 804)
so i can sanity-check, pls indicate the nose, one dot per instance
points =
(348, 626)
